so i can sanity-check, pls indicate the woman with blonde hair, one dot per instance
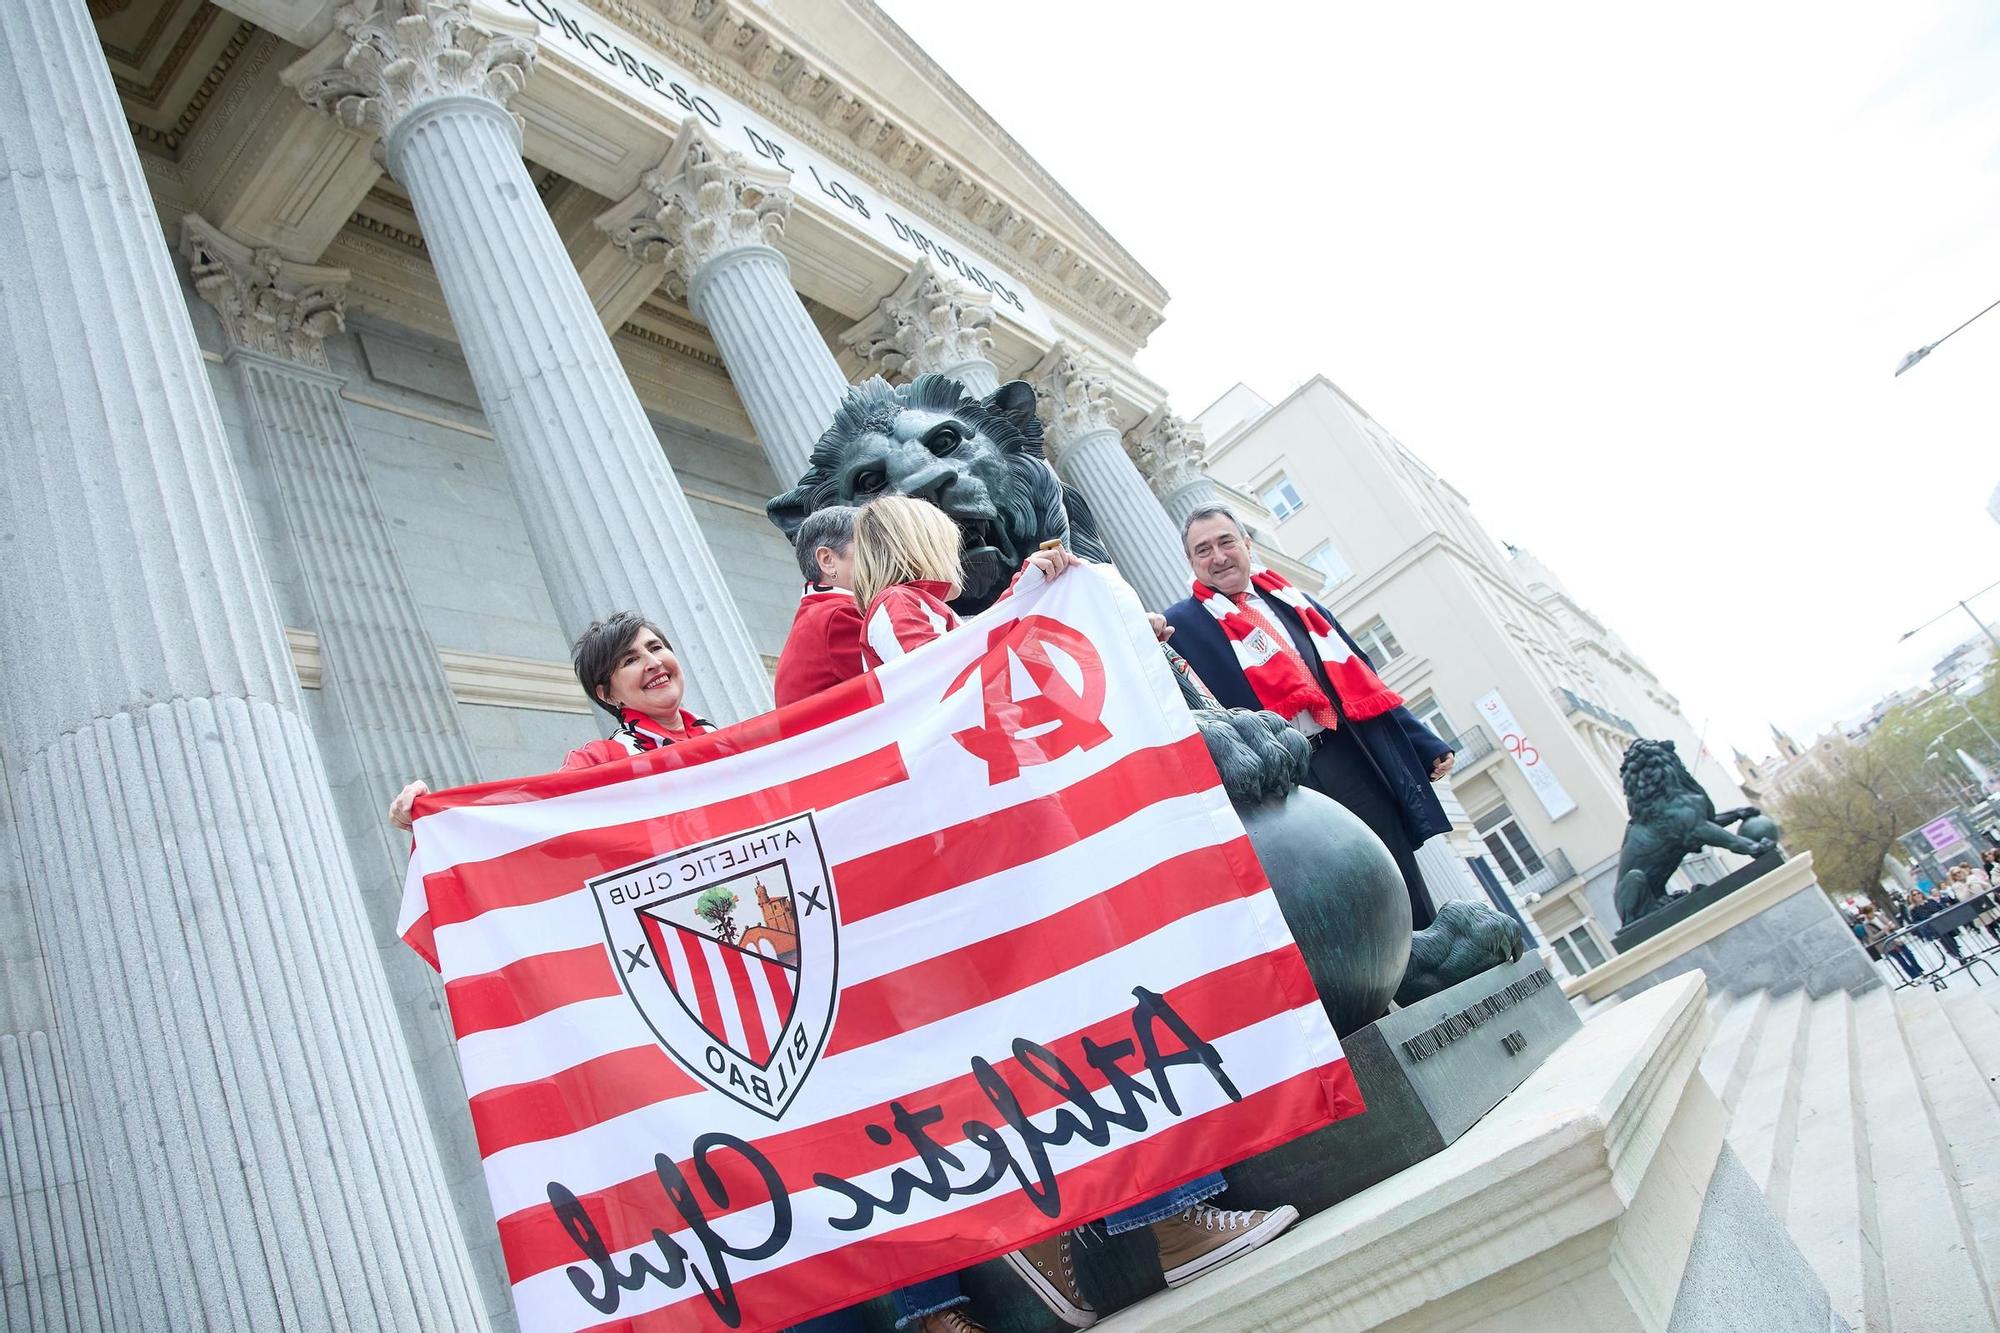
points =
(906, 572)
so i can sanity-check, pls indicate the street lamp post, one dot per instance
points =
(1963, 604)
(1912, 358)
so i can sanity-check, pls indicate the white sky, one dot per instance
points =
(1583, 258)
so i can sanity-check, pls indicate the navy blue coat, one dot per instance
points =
(1403, 748)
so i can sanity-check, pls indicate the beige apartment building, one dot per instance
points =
(1485, 643)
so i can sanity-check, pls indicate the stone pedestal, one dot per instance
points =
(255, 1152)
(1777, 932)
(610, 525)
(1598, 1196)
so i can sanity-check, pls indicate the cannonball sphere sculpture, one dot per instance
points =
(1343, 898)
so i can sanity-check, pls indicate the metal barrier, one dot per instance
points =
(1942, 945)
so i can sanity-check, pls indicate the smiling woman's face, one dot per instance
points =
(647, 678)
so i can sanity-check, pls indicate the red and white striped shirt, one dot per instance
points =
(904, 617)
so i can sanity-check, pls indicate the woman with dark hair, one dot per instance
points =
(626, 667)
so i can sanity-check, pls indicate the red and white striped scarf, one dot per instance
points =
(639, 733)
(1276, 674)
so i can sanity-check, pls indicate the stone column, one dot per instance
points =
(395, 718)
(1082, 434)
(1170, 452)
(930, 326)
(608, 521)
(711, 215)
(256, 1154)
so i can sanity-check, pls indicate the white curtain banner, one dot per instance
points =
(1555, 798)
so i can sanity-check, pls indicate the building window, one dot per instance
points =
(1426, 710)
(1375, 640)
(1333, 570)
(1508, 844)
(1281, 497)
(1578, 951)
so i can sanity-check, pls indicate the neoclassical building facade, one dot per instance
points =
(356, 356)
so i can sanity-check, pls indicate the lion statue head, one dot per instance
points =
(1656, 779)
(978, 459)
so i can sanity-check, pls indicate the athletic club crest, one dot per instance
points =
(730, 949)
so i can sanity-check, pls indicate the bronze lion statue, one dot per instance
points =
(1671, 817)
(981, 461)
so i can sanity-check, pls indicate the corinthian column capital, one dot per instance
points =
(268, 304)
(703, 201)
(1169, 450)
(414, 52)
(1073, 396)
(926, 326)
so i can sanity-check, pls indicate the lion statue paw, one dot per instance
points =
(1465, 940)
(1259, 757)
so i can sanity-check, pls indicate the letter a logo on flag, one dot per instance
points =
(1062, 712)
(729, 950)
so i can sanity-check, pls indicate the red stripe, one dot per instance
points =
(988, 844)
(781, 991)
(529, 987)
(594, 1091)
(880, 1263)
(756, 1041)
(845, 700)
(705, 998)
(561, 864)
(1000, 965)
(420, 937)
(1217, 1004)
(989, 969)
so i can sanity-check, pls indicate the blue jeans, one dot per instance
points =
(1166, 1205)
(912, 1303)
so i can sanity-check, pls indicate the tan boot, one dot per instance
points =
(1047, 1270)
(1202, 1238)
(954, 1320)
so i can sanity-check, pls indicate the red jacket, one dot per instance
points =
(636, 734)
(904, 617)
(824, 646)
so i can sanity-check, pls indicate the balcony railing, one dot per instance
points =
(1573, 703)
(1473, 743)
(1556, 871)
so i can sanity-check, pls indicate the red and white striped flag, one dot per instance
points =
(863, 991)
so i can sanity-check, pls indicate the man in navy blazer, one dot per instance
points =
(1381, 769)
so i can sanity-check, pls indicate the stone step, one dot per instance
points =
(1974, 1020)
(1928, 1277)
(1822, 1187)
(1961, 1116)
(1767, 1098)
(1732, 1040)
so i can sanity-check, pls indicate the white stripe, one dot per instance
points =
(994, 904)
(725, 993)
(676, 965)
(882, 635)
(1260, 1056)
(946, 787)
(976, 910)
(550, 1043)
(601, 1155)
(767, 1015)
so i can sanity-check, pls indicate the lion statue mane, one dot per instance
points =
(1671, 817)
(981, 461)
